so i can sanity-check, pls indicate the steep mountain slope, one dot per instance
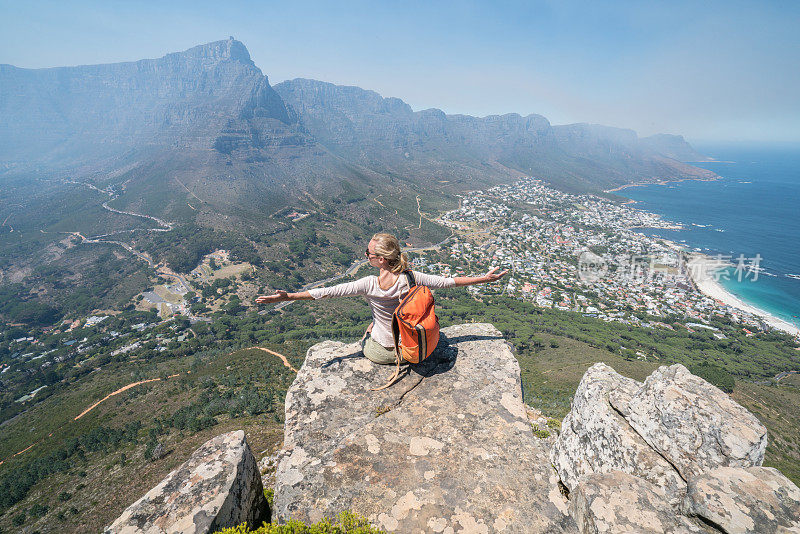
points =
(202, 128)
(182, 100)
(201, 141)
(206, 123)
(387, 135)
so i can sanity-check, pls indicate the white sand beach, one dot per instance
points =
(702, 268)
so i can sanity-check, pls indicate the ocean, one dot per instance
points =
(753, 211)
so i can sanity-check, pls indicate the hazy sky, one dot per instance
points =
(709, 70)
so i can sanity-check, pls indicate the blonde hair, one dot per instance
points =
(387, 246)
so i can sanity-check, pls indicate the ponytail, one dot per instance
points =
(402, 264)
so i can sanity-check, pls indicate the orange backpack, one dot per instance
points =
(415, 326)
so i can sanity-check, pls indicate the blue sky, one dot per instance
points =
(712, 71)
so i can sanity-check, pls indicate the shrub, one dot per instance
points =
(541, 433)
(346, 523)
(39, 510)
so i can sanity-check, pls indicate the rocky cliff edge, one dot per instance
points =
(450, 449)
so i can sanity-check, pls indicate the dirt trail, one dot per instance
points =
(20, 452)
(279, 355)
(190, 192)
(87, 410)
(117, 392)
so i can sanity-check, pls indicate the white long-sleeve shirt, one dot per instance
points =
(383, 302)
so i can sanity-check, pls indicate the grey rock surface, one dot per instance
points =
(618, 502)
(693, 424)
(595, 438)
(745, 500)
(447, 449)
(218, 486)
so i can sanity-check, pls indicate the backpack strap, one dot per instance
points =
(395, 325)
(394, 377)
(396, 336)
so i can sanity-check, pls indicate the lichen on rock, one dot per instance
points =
(596, 438)
(695, 425)
(448, 448)
(218, 486)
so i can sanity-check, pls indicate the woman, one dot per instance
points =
(383, 292)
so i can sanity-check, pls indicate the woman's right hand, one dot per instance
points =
(278, 296)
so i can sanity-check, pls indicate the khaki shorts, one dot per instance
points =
(377, 353)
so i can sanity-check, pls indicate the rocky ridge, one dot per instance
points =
(450, 448)
(210, 110)
(387, 135)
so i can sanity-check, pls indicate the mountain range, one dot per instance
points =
(210, 115)
(200, 141)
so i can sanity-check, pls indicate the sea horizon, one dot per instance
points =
(747, 217)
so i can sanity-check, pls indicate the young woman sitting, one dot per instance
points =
(383, 293)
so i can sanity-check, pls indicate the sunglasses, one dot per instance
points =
(368, 254)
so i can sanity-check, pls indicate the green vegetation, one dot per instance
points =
(740, 356)
(123, 447)
(183, 248)
(541, 433)
(345, 523)
(17, 306)
(715, 375)
(15, 484)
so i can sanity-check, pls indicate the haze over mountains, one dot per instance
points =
(210, 117)
(200, 139)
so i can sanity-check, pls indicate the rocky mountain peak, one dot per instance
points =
(228, 49)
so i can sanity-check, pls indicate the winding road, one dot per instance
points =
(165, 227)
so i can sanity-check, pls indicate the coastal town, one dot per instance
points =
(574, 253)
(583, 253)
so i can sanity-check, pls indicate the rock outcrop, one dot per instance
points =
(745, 500)
(693, 424)
(619, 502)
(667, 430)
(218, 486)
(447, 449)
(596, 439)
(672, 454)
(450, 449)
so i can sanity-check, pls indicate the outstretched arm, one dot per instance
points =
(491, 276)
(280, 296)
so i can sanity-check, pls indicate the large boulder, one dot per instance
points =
(446, 449)
(218, 486)
(616, 502)
(626, 448)
(595, 438)
(753, 500)
(693, 424)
